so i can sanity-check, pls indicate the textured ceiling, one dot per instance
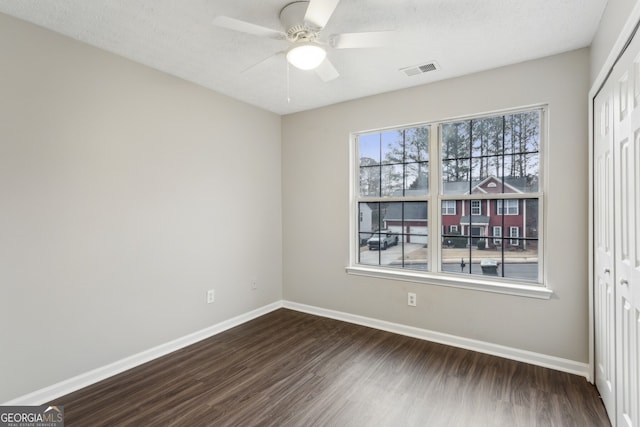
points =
(178, 37)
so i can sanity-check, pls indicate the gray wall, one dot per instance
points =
(614, 18)
(315, 149)
(124, 195)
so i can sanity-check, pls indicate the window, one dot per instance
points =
(448, 207)
(475, 207)
(497, 236)
(488, 171)
(511, 207)
(514, 233)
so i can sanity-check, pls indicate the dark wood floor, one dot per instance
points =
(293, 369)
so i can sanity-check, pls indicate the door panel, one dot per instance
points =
(627, 277)
(604, 292)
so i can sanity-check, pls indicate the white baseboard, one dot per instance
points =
(552, 362)
(62, 388)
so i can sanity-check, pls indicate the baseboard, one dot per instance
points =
(552, 362)
(62, 388)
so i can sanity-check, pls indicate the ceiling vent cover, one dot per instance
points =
(420, 69)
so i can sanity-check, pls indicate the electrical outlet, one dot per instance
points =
(411, 299)
(254, 284)
(211, 296)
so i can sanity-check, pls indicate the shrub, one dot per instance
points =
(457, 241)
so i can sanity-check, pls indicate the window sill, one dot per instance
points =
(517, 289)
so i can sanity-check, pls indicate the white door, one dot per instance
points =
(604, 286)
(626, 80)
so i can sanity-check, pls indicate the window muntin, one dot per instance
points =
(489, 174)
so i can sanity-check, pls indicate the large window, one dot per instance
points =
(485, 209)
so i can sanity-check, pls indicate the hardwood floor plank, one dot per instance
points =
(294, 369)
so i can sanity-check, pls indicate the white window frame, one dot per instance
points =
(435, 277)
(449, 207)
(514, 238)
(512, 208)
(453, 228)
(497, 237)
(476, 210)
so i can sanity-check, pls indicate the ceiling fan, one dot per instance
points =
(303, 22)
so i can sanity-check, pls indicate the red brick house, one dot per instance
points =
(499, 222)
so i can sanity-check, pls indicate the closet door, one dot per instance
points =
(626, 77)
(604, 291)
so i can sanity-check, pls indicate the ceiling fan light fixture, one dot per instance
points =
(306, 56)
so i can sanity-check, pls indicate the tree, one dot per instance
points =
(456, 150)
(369, 177)
(411, 151)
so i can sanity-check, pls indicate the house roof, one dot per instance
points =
(477, 219)
(511, 185)
(413, 211)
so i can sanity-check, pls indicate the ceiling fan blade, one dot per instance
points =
(319, 12)
(247, 27)
(362, 40)
(263, 61)
(326, 71)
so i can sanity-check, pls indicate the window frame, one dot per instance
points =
(497, 238)
(472, 208)
(500, 207)
(449, 210)
(434, 199)
(514, 240)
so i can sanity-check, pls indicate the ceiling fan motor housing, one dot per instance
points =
(292, 19)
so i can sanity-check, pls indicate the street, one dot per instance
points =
(518, 265)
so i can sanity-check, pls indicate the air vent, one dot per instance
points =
(420, 69)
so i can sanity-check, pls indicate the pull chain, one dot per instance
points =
(288, 85)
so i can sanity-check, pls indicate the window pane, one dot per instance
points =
(502, 245)
(487, 168)
(455, 176)
(521, 259)
(521, 173)
(416, 144)
(392, 147)
(369, 181)
(402, 240)
(531, 224)
(487, 137)
(392, 180)
(416, 179)
(369, 148)
(456, 141)
(522, 132)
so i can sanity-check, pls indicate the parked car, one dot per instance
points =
(364, 238)
(382, 240)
